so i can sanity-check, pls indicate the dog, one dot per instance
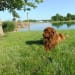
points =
(51, 38)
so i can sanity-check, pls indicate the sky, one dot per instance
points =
(44, 10)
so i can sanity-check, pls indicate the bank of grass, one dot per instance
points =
(22, 53)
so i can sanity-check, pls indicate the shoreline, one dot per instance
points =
(62, 21)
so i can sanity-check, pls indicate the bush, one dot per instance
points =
(8, 26)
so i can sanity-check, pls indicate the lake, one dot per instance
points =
(42, 26)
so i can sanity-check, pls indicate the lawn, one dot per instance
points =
(22, 53)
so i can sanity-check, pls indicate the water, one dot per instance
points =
(42, 26)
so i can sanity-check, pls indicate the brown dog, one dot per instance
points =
(51, 38)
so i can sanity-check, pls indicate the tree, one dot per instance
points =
(73, 17)
(1, 30)
(69, 16)
(57, 17)
(13, 5)
(18, 4)
(15, 15)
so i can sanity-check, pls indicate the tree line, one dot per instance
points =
(68, 17)
(33, 20)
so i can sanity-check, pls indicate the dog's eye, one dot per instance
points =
(53, 32)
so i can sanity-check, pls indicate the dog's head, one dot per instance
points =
(49, 32)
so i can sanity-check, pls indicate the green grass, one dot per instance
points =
(22, 53)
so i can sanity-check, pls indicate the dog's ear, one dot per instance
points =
(46, 35)
(45, 29)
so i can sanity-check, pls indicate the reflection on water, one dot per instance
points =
(64, 25)
(41, 26)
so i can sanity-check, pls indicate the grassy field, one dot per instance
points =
(22, 53)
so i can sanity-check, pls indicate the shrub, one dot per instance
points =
(8, 26)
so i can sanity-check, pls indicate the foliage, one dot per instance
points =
(17, 4)
(30, 20)
(15, 14)
(13, 5)
(45, 20)
(22, 53)
(8, 26)
(58, 17)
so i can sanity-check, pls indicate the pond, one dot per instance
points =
(41, 26)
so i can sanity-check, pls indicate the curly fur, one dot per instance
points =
(51, 38)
